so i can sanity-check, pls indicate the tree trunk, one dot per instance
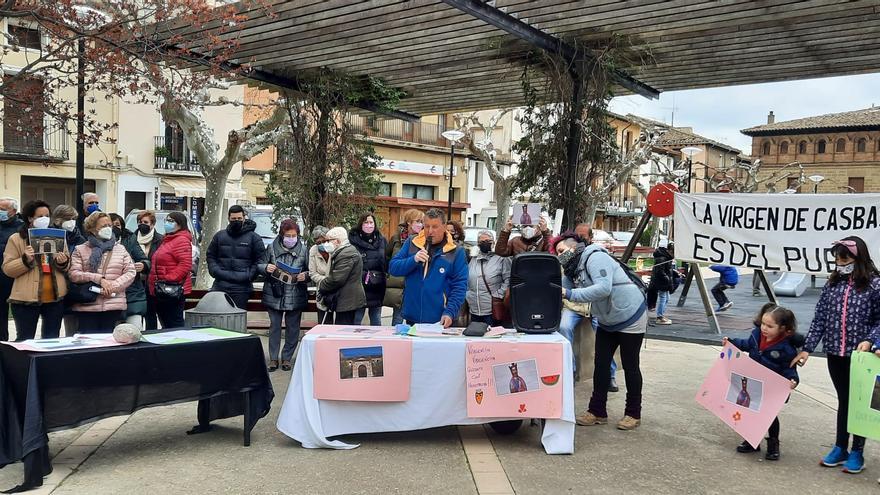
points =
(589, 215)
(215, 191)
(502, 202)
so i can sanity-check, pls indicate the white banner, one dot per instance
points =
(773, 232)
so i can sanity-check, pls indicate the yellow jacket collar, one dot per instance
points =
(421, 241)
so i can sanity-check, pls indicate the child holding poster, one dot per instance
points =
(847, 315)
(773, 343)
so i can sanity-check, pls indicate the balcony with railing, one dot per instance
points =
(173, 156)
(40, 143)
(398, 130)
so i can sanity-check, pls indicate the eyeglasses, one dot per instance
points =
(849, 244)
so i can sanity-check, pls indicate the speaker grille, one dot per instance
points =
(535, 296)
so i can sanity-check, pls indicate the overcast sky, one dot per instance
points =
(721, 113)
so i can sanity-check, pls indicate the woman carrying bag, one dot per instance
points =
(170, 278)
(488, 280)
(371, 245)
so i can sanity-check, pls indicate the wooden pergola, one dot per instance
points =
(456, 55)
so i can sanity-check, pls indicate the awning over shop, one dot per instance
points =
(195, 188)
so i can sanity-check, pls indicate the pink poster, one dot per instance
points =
(744, 394)
(351, 330)
(514, 379)
(362, 369)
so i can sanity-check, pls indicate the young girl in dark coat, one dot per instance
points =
(773, 343)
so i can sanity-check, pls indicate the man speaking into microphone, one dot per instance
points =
(436, 273)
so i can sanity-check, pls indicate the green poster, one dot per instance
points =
(864, 395)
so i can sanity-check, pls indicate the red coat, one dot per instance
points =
(172, 262)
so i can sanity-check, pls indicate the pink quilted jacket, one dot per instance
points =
(120, 271)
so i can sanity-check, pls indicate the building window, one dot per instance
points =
(840, 147)
(478, 175)
(23, 115)
(415, 191)
(25, 37)
(783, 148)
(385, 189)
(765, 148)
(820, 146)
(857, 184)
(862, 145)
(802, 147)
(263, 201)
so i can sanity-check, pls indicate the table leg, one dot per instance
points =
(204, 415)
(248, 425)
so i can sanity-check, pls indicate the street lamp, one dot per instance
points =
(452, 135)
(816, 179)
(690, 151)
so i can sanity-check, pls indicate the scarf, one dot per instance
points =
(570, 269)
(99, 247)
(765, 344)
(370, 238)
(146, 241)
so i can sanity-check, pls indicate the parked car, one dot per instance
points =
(131, 224)
(262, 216)
(623, 238)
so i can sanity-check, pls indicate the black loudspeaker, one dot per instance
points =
(535, 293)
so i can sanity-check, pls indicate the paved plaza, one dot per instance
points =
(680, 448)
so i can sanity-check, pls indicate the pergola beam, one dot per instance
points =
(546, 42)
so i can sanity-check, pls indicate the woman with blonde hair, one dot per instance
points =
(107, 264)
(411, 223)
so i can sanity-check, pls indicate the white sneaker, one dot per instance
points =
(726, 306)
(664, 321)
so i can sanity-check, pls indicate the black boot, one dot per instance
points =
(772, 449)
(746, 448)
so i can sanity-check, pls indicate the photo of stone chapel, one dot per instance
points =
(360, 362)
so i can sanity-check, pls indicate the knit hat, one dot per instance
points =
(338, 234)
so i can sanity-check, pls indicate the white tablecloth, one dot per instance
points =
(437, 398)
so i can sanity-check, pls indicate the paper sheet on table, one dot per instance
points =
(80, 341)
(190, 336)
(743, 394)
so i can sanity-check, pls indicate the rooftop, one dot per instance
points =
(676, 136)
(868, 118)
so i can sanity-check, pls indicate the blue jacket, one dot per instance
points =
(729, 275)
(777, 357)
(435, 288)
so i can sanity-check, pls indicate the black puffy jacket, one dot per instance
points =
(233, 258)
(372, 250)
(661, 273)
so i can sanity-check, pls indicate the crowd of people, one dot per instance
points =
(106, 274)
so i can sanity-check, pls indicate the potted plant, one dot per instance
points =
(161, 154)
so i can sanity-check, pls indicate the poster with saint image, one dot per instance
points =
(526, 213)
(864, 395)
(773, 232)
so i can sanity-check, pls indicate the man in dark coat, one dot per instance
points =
(233, 257)
(662, 280)
(10, 223)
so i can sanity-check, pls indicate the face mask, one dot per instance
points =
(417, 227)
(485, 247)
(144, 229)
(368, 228)
(93, 208)
(117, 232)
(329, 247)
(41, 222)
(4, 215)
(566, 257)
(322, 248)
(289, 242)
(236, 225)
(846, 269)
(170, 227)
(69, 225)
(528, 232)
(105, 233)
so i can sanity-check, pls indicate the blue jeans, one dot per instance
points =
(396, 317)
(375, 316)
(570, 320)
(662, 301)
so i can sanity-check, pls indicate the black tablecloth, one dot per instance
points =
(49, 391)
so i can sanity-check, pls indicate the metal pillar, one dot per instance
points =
(80, 127)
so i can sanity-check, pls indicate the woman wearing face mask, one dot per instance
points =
(38, 280)
(285, 299)
(171, 265)
(532, 239)
(342, 289)
(135, 294)
(371, 245)
(847, 316)
(101, 260)
(148, 240)
(411, 225)
(319, 267)
(488, 279)
(64, 217)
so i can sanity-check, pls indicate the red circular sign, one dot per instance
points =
(661, 199)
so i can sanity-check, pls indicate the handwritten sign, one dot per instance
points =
(744, 394)
(864, 395)
(514, 380)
